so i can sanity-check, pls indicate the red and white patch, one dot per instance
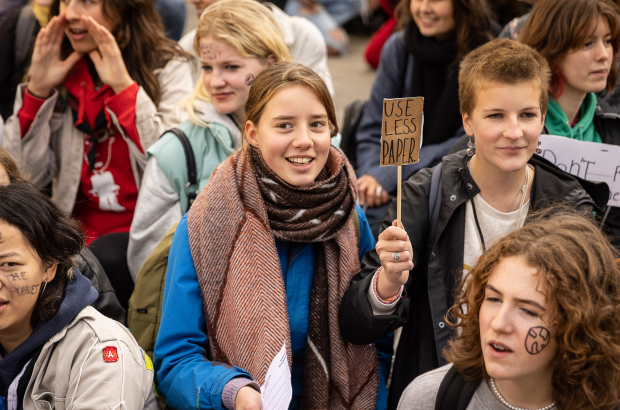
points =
(110, 354)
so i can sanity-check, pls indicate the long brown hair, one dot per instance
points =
(285, 74)
(473, 22)
(576, 265)
(138, 30)
(556, 28)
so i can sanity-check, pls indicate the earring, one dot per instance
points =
(538, 150)
(470, 148)
(44, 286)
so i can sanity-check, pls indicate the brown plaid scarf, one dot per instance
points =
(232, 230)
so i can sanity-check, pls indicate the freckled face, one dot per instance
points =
(517, 343)
(293, 135)
(227, 75)
(21, 276)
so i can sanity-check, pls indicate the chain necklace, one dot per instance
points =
(510, 406)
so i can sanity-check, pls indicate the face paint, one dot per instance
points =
(249, 79)
(537, 339)
(16, 276)
(25, 290)
(208, 51)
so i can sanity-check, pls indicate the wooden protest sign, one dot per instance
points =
(401, 131)
(401, 135)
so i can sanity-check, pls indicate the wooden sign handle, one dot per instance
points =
(400, 177)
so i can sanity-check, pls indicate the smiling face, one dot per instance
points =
(80, 38)
(517, 343)
(585, 70)
(293, 134)
(506, 122)
(227, 75)
(21, 276)
(434, 18)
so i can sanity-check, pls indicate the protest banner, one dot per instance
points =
(588, 160)
(401, 135)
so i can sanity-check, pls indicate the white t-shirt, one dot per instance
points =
(494, 225)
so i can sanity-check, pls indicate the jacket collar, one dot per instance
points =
(550, 184)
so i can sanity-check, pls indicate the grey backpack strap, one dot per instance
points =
(24, 35)
(434, 203)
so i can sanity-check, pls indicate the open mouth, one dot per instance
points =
(3, 305)
(300, 161)
(500, 348)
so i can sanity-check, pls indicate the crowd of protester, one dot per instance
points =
(174, 216)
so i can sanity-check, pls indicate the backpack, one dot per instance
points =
(145, 303)
(455, 392)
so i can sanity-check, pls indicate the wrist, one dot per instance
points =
(118, 88)
(38, 91)
(386, 289)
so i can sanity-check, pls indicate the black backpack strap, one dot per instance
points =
(455, 392)
(434, 204)
(191, 188)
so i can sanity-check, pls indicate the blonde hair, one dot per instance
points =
(246, 25)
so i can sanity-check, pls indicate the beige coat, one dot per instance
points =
(71, 373)
(53, 148)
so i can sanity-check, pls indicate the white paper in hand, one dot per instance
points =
(277, 390)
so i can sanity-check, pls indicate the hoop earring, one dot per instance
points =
(470, 148)
(538, 149)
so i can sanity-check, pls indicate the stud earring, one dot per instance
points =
(538, 150)
(470, 148)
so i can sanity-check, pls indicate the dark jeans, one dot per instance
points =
(111, 251)
(172, 13)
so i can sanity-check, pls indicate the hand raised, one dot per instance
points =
(394, 274)
(107, 58)
(47, 70)
(248, 399)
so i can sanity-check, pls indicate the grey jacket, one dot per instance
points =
(71, 373)
(52, 149)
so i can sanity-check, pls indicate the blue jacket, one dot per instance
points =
(183, 374)
(392, 81)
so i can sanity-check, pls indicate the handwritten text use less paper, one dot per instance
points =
(277, 391)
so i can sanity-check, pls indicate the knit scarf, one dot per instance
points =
(436, 79)
(584, 130)
(232, 226)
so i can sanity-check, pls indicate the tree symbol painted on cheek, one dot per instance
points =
(249, 79)
(537, 339)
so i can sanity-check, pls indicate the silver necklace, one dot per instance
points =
(510, 406)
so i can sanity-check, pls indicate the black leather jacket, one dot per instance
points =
(437, 267)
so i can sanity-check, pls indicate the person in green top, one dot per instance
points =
(580, 39)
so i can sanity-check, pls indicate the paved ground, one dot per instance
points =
(351, 75)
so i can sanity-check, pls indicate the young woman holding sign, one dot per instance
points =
(482, 197)
(421, 60)
(263, 258)
(539, 324)
(583, 63)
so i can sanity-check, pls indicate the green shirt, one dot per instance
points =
(584, 130)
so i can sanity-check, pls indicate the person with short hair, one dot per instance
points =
(420, 60)
(581, 40)
(410, 277)
(236, 40)
(55, 350)
(538, 323)
(261, 261)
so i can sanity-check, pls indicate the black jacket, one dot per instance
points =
(437, 267)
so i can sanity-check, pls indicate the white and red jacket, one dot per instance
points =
(50, 143)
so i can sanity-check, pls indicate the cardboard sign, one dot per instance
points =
(401, 131)
(589, 160)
